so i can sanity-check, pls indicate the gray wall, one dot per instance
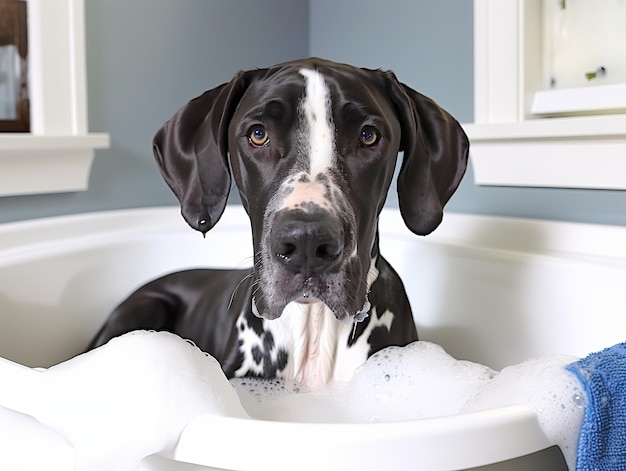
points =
(148, 57)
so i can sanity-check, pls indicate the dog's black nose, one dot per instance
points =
(310, 244)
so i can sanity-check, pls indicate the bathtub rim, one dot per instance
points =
(478, 439)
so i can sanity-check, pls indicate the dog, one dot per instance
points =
(311, 146)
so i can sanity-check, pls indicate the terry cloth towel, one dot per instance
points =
(602, 440)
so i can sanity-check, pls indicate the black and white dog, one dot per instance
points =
(312, 146)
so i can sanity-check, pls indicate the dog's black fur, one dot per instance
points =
(312, 147)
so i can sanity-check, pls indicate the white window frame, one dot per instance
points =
(511, 146)
(56, 155)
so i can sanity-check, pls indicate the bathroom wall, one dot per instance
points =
(148, 57)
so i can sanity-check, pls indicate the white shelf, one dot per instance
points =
(601, 98)
(577, 152)
(47, 164)
(599, 127)
(31, 143)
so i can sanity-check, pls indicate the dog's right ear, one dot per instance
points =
(191, 150)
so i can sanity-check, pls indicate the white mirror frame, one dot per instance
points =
(512, 147)
(56, 155)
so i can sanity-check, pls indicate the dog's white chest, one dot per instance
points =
(307, 345)
(311, 334)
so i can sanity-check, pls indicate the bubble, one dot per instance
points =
(579, 400)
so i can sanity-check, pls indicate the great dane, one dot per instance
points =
(311, 146)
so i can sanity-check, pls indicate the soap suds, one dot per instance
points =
(552, 391)
(134, 396)
(127, 399)
(398, 383)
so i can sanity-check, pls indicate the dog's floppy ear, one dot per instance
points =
(191, 150)
(435, 157)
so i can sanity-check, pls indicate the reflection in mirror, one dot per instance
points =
(14, 105)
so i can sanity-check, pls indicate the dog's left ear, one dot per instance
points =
(435, 157)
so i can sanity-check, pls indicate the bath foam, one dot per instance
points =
(546, 386)
(422, 381)
(134, 396)
(418, 381)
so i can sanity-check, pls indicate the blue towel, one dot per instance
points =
(602, 441)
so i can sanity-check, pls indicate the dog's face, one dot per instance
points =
(313, 154)
(312, 146)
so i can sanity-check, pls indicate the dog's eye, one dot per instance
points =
(258, 136)
(369, 137)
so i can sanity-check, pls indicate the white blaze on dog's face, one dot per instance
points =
(317, 111)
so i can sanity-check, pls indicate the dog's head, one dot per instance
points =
(312, 146)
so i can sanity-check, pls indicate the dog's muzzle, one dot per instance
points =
(309, 255)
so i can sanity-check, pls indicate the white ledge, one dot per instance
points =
(576, 152)
(34, 164)
(596, 99)
(549, 128)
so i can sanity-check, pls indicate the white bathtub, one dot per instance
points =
(492, 290)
